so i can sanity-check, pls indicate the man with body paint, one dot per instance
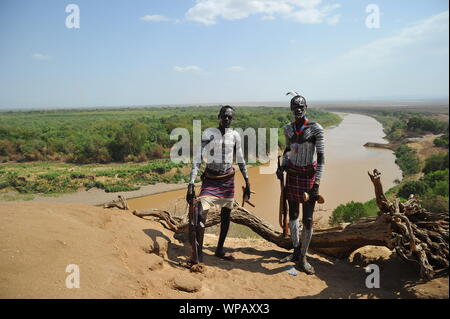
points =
(303, 161)
(217, 183)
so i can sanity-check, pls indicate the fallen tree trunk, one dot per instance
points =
(415, 234)
(336, 241)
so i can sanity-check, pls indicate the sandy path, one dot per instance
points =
(425, 147)
(122, 256)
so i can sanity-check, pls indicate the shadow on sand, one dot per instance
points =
(343, 279)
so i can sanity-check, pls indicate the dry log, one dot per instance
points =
(336, 241)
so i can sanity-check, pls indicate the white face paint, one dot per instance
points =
(226, 118)
(299, 111)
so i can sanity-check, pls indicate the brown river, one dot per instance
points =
(345, 177)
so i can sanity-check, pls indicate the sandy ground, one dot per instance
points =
(425, 147)
(122, 256)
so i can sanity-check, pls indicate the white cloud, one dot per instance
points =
(302, 11)
(40, 57)
(413, 58)
(421, 35)
(267, 18)
(311, 15)
(187, 68)
(154, 18)
(237, 68)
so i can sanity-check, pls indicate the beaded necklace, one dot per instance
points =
(300, 130)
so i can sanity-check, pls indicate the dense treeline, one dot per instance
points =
(400, 125)
(121, 135)
(423, 124)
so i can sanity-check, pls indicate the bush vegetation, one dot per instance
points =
(111, 149)
(426, 125)
(120, 135)
(407, 160)
(442, 141)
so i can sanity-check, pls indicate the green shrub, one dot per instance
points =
(423, 124)
(441, 141)
(408, 160)
(440, 188)
(108, 173)
(348, 213)
(436, 176)
(50, 176)
(77, 175)
(435, 204)
(435, 163)
(412, 187)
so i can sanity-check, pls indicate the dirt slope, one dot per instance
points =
(122, 256)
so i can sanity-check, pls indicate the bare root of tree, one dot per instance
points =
(120, 203)
(415, 234)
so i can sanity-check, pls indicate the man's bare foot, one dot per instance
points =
(287, 259)
(194, 266)
(225, 256)
(200, 267)
(188, 264)
(305, 266)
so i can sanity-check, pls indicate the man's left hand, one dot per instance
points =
(314, 191)
(247, 190)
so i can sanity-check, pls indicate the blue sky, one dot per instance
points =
(220, 51)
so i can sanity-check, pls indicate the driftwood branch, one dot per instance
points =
(120, 203)
(336, 241)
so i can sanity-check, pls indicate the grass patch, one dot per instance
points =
(15, 197)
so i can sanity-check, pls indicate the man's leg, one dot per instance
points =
(294, 228)
(193, 221)
(197, 232)
(202, 215)
(307, 220)
(225, 214)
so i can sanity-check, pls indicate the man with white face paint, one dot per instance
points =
(217, 183)
(303, 161)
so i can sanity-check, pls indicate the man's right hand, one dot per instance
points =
(190, 193)
(280, 174)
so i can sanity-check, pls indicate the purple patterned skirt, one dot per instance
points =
(299, 179)
(221, 187)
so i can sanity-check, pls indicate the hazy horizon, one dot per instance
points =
(412, 103)
(103, 53)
